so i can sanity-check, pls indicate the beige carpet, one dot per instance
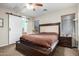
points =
(60, 51)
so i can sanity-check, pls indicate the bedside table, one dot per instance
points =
(65, 42)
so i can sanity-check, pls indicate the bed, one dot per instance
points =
(44, 42)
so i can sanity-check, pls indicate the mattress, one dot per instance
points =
(44, 40)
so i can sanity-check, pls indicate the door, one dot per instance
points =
(15, 28)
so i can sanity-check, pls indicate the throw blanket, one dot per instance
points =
(45, 40)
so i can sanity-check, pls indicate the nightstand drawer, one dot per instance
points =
(65, 41)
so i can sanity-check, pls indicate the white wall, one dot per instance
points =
(53, 17)
(4, 30)
(30, 26)
(78, 26)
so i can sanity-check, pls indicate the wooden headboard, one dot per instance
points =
(53, 26)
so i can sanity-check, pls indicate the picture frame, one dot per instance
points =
(1, 22)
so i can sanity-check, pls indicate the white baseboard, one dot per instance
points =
(2, 45)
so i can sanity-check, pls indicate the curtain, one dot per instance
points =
(67, 25)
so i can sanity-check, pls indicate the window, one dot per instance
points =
(67, 24)
(24, 24)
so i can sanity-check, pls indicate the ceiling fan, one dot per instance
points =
(34, 6)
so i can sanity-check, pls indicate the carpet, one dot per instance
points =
(10, 50)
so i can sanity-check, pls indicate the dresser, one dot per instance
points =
(65, 42)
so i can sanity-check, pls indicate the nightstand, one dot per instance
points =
(65, 42)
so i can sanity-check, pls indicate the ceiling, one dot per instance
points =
(22, 9)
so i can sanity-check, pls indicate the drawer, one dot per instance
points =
(65, 41)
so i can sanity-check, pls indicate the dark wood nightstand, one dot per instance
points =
(65, 41)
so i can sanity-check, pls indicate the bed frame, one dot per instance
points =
(30, 51)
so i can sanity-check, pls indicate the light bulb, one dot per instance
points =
(29, 6)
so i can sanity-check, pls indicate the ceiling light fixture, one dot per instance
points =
(34, 6)
(29, 6)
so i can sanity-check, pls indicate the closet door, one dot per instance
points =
(15, 28)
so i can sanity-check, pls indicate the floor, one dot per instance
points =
(60, 51)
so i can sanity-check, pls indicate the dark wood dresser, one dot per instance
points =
(65, 42)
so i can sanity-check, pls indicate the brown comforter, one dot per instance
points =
(41, 39)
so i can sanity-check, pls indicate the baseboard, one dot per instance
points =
(74, 47)
(2, 45)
